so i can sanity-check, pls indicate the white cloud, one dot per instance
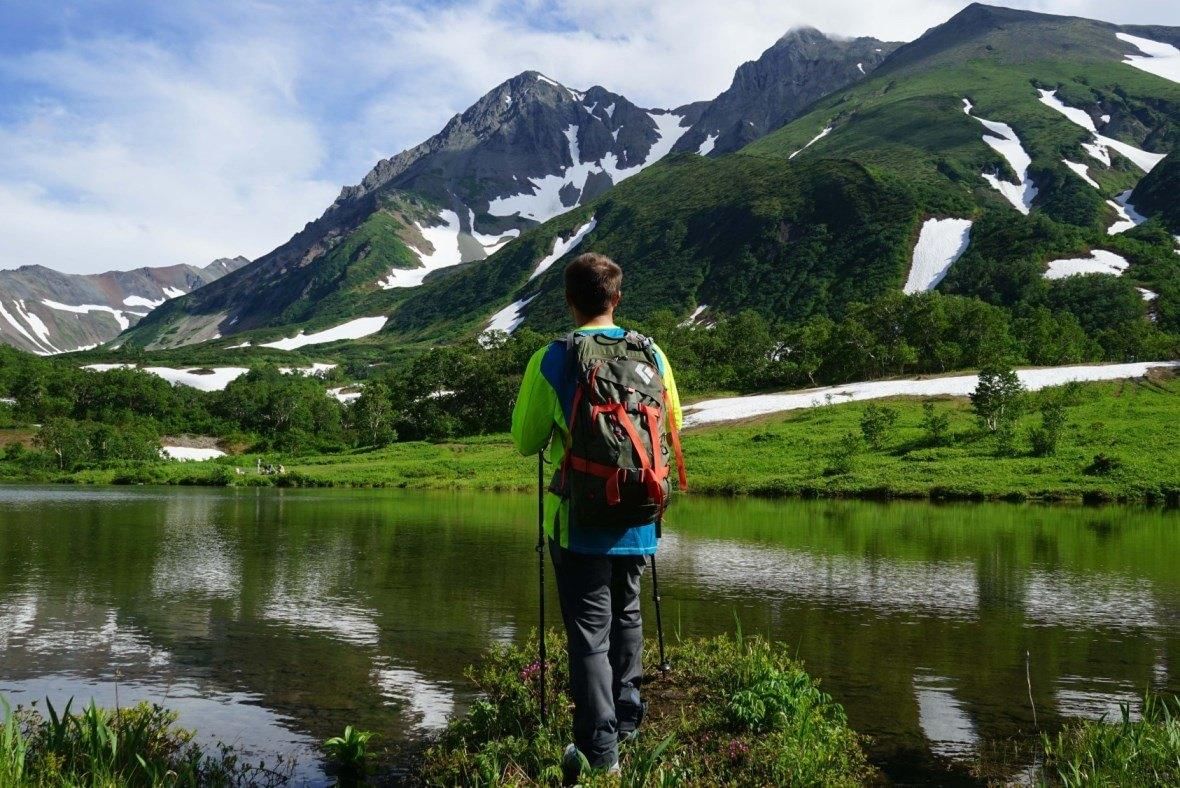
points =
(220, 128)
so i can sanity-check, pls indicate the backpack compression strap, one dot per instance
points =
(674, 434)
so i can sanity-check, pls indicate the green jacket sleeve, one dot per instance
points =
(532, 415)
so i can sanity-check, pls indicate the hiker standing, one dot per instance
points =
(610, 396)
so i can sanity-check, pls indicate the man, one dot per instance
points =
(597, 566)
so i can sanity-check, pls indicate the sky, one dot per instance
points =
(135, 132)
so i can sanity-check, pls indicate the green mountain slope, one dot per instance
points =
(825, 212)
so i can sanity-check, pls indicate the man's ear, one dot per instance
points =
(615, 299)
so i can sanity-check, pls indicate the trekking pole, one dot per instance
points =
(541, 577)
(655, 595)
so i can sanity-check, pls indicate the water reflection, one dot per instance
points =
(944, 719)
(274, 618)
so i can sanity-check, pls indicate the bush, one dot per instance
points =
(1103, 465)
(731, 711)
(937, 425)
(841, 458)
(876, 423)
(1044, 438)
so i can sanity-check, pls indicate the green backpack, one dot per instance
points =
(615, 470)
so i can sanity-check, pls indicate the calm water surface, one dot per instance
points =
(272, 618)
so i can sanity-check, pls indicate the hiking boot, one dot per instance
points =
(571, 765)
(629, 729)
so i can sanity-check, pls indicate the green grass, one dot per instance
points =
(731, 711)
(1126, 752)
(801, 453)
(103, 748)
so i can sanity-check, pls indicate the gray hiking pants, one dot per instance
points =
(600, 607)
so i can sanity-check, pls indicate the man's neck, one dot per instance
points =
(602, 321)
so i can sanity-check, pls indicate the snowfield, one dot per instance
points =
(1100, 261)
(445, 241)
(731, 408)
(1101, 146)
(542, 199)
(510, 317)
(353, 329)
(186, 453)
(1158, 58)
(1003, 140)
(82, 309)
(1129, 218)
(827, 130)
(1082, 172)
(561, 246)
(707, 146)
(207, 378)
(940, 243)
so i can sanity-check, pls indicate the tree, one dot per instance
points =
(998, 398)
(372, 416)
(1044, 439)
(65, 440)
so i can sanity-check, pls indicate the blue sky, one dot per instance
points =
(151, 133)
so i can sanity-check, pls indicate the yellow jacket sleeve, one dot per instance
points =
(676, 415)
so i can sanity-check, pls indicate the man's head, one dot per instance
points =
(592, 286)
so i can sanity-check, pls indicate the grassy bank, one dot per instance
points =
(136, 746)
(1140, 752)
(1117, 442)
(731, 711)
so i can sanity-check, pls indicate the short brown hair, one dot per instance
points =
(591, 283)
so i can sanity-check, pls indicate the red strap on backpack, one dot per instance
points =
(674, 434)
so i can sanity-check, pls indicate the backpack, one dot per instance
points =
(615, 470)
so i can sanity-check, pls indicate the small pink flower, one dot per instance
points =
(738, 749)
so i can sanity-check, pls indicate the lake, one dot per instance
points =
(272, 618)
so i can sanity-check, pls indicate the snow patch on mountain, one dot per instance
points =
(1158, 58)
(731, 408)
(561, 246)
(542, 199)
(708, 145)
(173, 292)
(510, 317)
(1148, 295)
(860, 67)
(1082, 172)
(490, 243)
(1129, 218)
(36, 323)
(1100, 261)
(1003, 140)
(353, 329)
(692, 318)
(42, 351)
(1101, 145)
(444, 239)
(82, 309)
(827, 130)
(940, 243)
(141, 301)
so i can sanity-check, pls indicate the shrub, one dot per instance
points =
(937, 425)
(876, 423)
(1102, 465)
(1044, 438)
(841, 458)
